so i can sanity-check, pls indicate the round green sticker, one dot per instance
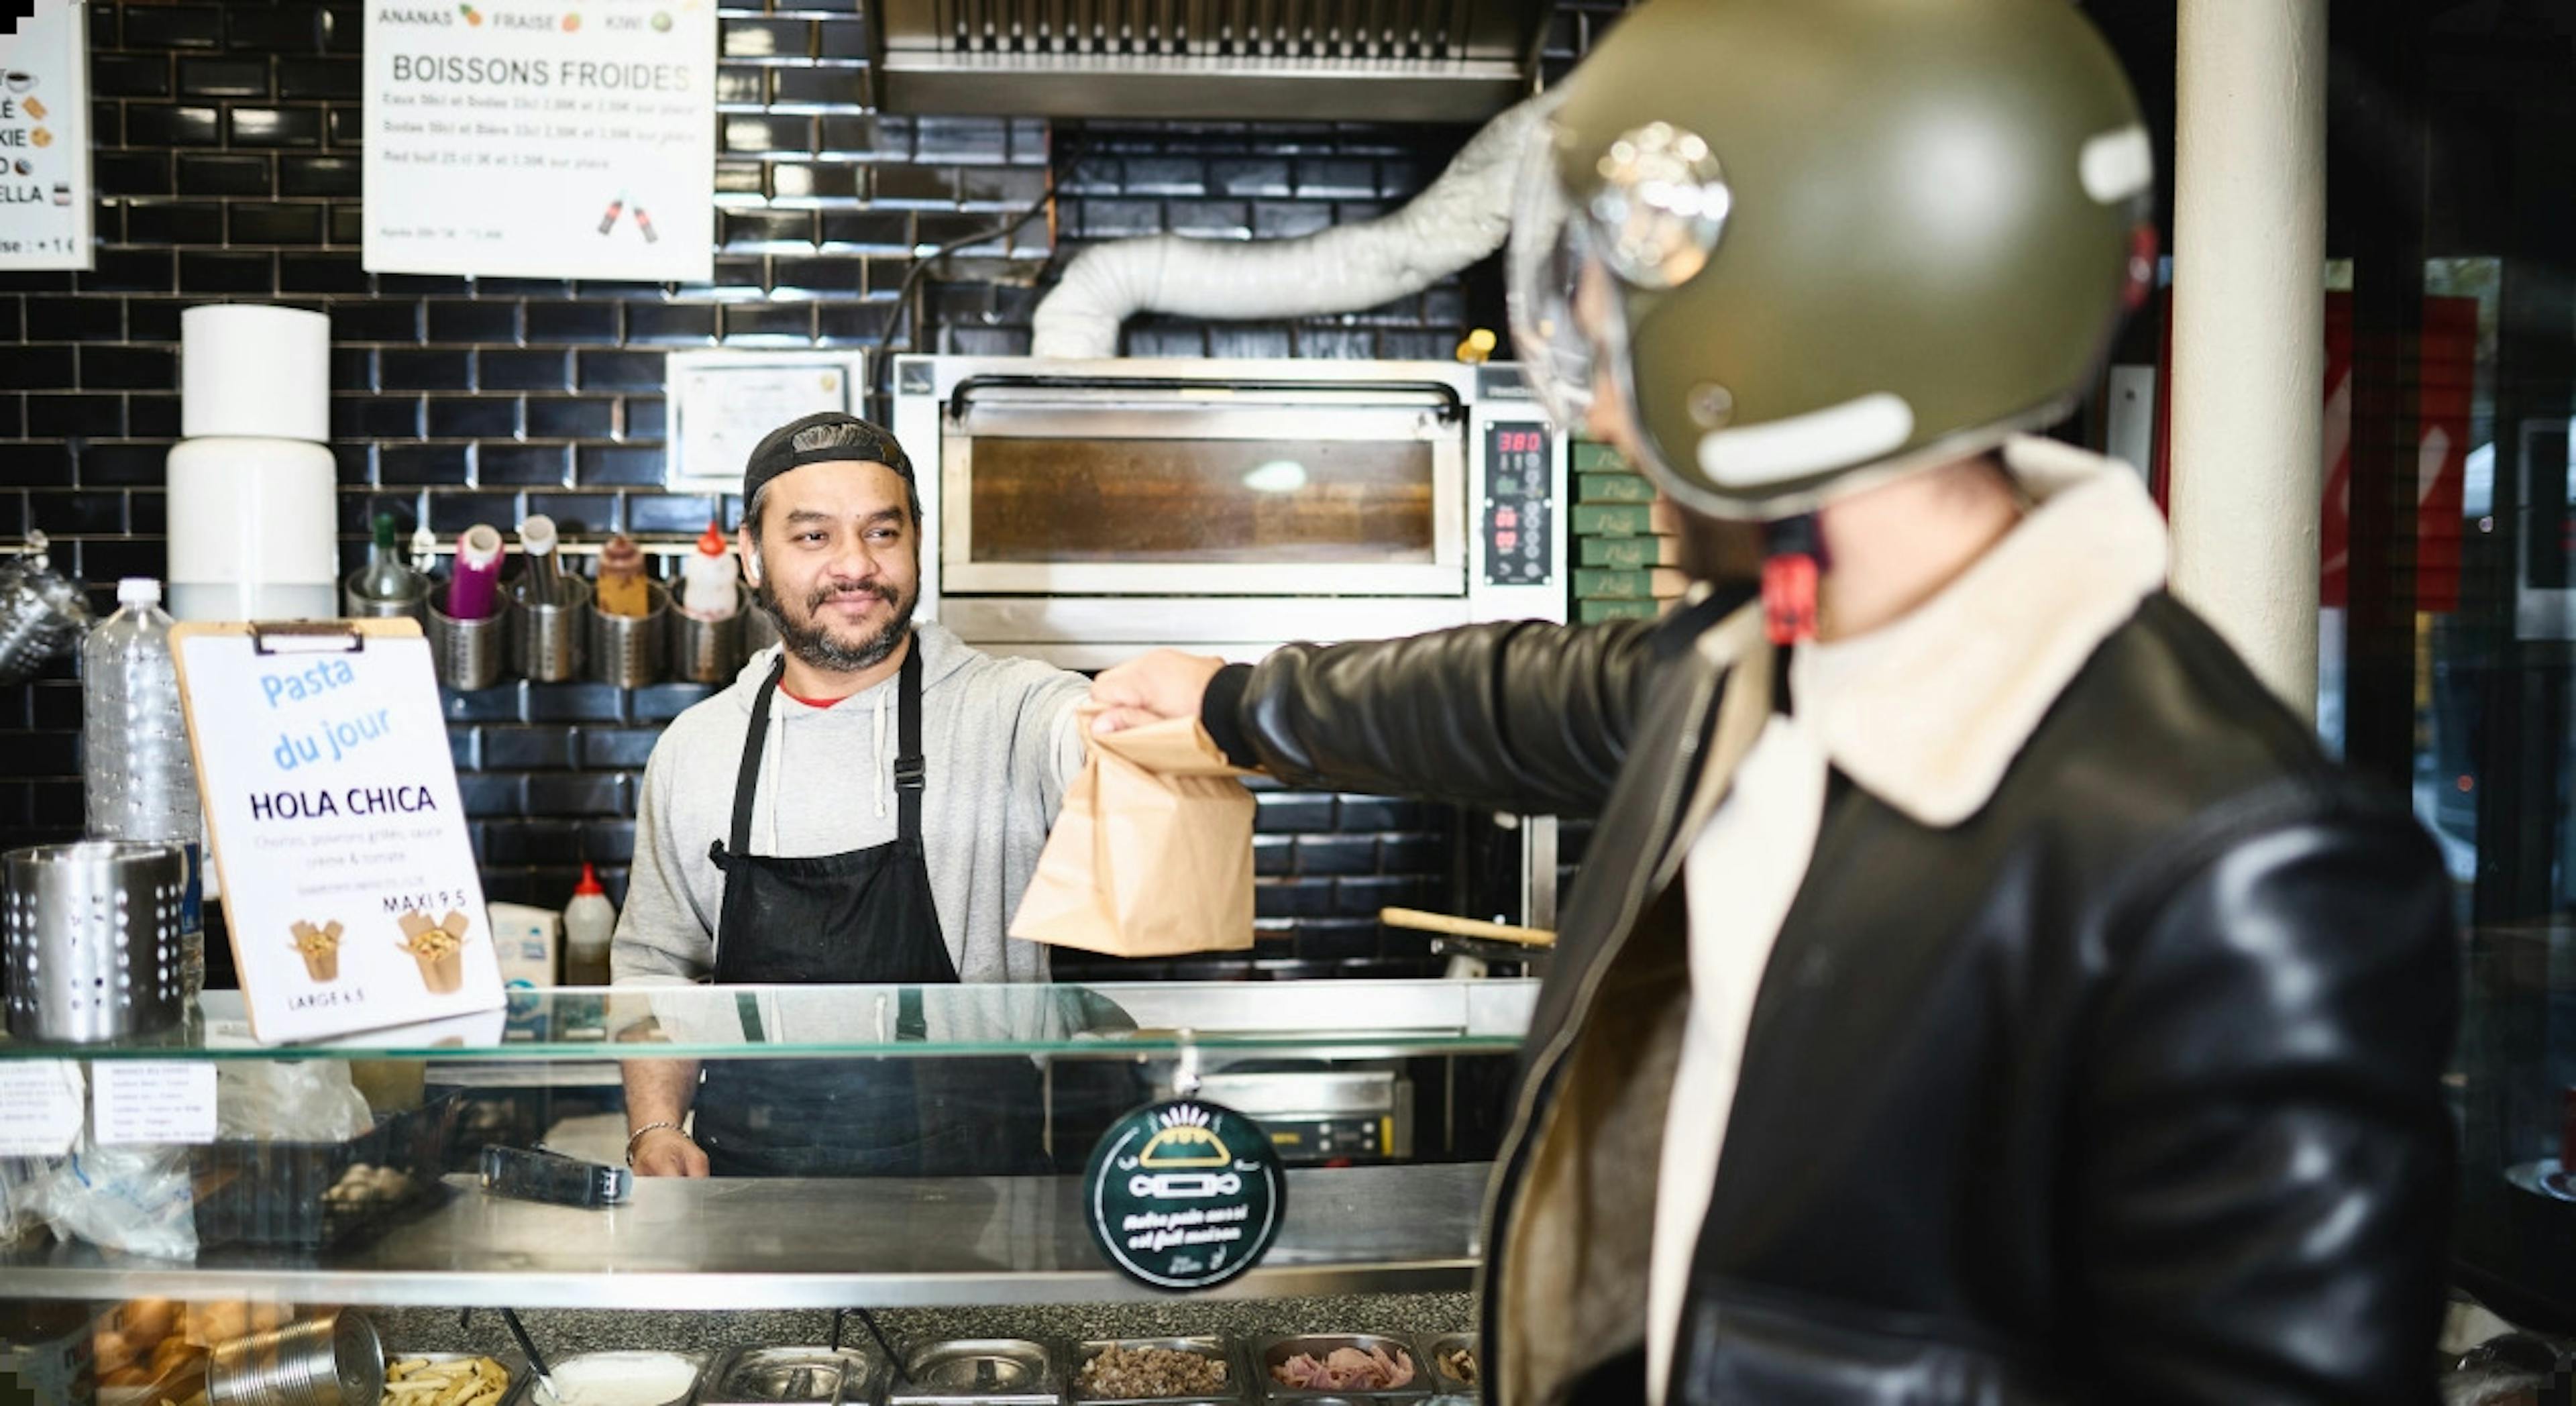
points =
(1185, 1194)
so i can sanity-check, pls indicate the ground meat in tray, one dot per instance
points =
(1144, 1372)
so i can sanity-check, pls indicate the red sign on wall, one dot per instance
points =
(2446, 376)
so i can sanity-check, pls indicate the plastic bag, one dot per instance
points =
(309, 1100)
(137, 1199)
(20, 1177)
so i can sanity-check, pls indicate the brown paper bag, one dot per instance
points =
(1152, 854)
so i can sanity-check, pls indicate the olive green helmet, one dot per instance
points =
(1815, 243)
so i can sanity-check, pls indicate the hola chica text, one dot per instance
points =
(357, 800)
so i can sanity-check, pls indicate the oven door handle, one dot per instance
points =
(1450, 410)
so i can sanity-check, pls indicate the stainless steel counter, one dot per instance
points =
(747, 1244)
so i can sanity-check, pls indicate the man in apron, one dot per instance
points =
(864, 805)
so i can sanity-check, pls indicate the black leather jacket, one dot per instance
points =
(2124, 1089)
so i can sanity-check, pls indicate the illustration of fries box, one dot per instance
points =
(320, 948)
(439, 947)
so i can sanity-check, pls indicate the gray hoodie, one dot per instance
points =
(999, 740)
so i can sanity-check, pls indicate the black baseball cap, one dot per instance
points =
(776, 453)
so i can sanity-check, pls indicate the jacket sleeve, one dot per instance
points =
(2264, 1151)
(1515, 715)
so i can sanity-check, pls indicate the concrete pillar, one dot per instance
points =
(2249, 327)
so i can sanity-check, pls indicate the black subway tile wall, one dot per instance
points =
(228, 168)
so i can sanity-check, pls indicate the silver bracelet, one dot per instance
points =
(631, 1138)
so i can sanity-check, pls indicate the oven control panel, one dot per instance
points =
(1518, 520)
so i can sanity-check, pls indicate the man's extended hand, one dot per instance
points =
(1151, 688)
(668, 1152)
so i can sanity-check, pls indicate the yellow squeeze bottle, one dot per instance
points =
(622, 587)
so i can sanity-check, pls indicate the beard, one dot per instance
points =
(806, 636)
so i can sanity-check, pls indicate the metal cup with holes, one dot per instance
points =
(707, 650)
(469, 654)
(94, 940)
(547, 640)
(628, 650)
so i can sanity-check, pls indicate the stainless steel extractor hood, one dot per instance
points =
(1309, 60)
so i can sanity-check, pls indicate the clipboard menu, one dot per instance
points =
(333, 816)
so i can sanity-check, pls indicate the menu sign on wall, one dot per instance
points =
(349, 881)
(541, 138)
(44, 136)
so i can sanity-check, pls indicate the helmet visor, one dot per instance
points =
(1544, 268)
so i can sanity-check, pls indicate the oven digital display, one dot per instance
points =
(1519, 525)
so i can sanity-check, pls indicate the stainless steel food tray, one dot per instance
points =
(1238, 1372)
(523, 1391)
(981, 1371)
(761, 1376)
(1437, 1344)
(1274, 1351)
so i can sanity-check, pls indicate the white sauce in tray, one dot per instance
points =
(621, 1379)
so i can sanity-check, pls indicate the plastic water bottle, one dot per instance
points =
(139, 782)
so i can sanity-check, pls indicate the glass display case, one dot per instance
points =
(351, 1175)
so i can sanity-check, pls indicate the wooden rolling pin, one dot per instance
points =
(1465, 927)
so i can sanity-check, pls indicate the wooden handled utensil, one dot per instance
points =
(1465, 927)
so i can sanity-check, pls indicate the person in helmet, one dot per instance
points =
(1981, 989)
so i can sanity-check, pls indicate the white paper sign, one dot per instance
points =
(44, 138)
(152, 1101)
(40, 1107)
(541, 138)
(349, 881)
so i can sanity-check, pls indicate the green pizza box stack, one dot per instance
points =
(1616, 546)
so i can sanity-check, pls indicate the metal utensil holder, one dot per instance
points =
(547, 643)
(708, 651)
(469, 653)
(358, 607)
(93, 940)
(42, 614)
(628, 650)
(333, 1361)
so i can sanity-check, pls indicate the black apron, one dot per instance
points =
(861, 917)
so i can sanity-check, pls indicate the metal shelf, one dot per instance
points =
(1312, 1019)
(806, 1244)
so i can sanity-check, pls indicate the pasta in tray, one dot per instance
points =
(459, 1381)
